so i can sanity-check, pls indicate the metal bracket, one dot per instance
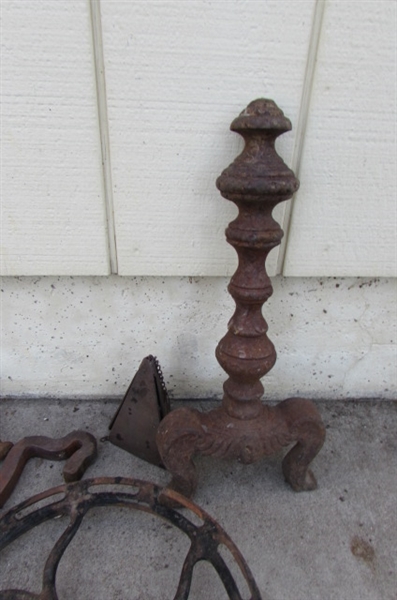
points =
(79, 447)
(145, 404)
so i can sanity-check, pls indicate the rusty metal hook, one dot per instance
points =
(78, 447)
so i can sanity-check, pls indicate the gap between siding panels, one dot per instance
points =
(301, 127)
(96, 25)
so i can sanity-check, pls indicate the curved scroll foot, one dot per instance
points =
(184, 433)
(304, 421)
(175, 440)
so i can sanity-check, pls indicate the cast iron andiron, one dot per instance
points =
(243, 428)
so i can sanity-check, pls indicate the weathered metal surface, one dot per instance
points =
(135, 423)
(5, 447)
(244, 428)
(78, 448)
(206, 539)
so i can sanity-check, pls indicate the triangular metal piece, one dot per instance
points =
(145, 404)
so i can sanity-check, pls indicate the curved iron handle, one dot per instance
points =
(78, 447)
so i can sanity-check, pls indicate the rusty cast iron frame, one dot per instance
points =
(78, 498)
(243, 428)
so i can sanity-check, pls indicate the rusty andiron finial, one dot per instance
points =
(243, 428)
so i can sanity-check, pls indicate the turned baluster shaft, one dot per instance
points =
(256, 181)
(244, 428)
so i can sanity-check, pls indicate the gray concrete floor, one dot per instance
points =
(337, 543)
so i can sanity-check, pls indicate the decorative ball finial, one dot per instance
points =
(259, 171)
(262, 114)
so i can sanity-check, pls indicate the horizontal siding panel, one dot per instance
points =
(344, 219)
(53, 219)
(177, 74)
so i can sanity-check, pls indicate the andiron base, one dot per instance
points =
(187, 432)
(243, 428)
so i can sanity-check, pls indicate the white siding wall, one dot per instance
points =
(177, 73)
(53, 219)
(345, 214)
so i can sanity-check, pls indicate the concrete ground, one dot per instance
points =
(337, 543)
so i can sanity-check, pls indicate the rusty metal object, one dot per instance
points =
(145, 404)
(206, 539)
(243, 428)
(5, 447)
(78, 447)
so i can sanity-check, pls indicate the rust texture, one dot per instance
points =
(78, 498)
(78, 448)
(145, 403)
(5, 447)
(244, 428)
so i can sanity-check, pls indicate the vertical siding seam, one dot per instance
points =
(96, 26)
(301, 127)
